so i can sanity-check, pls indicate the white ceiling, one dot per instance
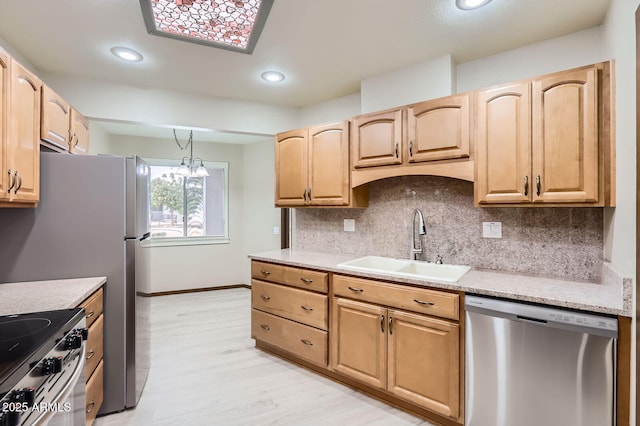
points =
(324, 47)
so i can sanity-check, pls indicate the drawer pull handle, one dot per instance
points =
(90, 314)
(264, 297)
(382, 323)
(422, 302)
(306, 280)
(357, 290)
(306, 308)
(263, 272)
(91, 354)
(390, 325)
(306, 342)
(90, 406)
(265, 327)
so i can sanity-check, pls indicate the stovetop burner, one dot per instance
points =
(23, 335)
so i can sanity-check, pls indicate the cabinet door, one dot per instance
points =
(377, 138)
(424, 363)
(54, 126)
(80, 133)
(24, 133)
(291, 168)
(438, 129)
(5, 178)
(329, 164)
(565, 137)
(359, 341)
(504, 145)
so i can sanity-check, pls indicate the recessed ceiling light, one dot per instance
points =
(272, 76)
(126, 54)
(470, 4)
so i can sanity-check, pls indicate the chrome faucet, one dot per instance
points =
(422, 230)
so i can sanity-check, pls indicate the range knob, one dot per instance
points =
(23, 395)
(51, 366)
(73, 341)
(84, 332)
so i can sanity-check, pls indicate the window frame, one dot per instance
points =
(191, 241)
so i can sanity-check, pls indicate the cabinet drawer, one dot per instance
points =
(268, 272)
(290, 275)
(432, 302)
(306, 342)
(95, 345)
(298, 305)
(95, 393)
(93, 306)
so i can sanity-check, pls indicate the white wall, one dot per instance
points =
(99, 139)
(259, 215)
(337, 109)
(427, 80)
(557, 54)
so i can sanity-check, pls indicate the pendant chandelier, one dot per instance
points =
(188, 166)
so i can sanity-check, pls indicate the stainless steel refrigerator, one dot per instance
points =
(92, 215)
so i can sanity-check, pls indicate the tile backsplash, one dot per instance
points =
(560, 242)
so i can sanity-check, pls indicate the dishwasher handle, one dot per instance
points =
(544, 316)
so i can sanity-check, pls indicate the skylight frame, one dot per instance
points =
(261, 18)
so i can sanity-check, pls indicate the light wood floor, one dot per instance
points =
(206, 371)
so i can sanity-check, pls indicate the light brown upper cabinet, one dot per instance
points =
(5, 173)
(377, 139)
(21, 139)
(62, 126)
(547, 141)
(312, 167)
(79, 127)
(427, 138)
(55, 118)
(438, 129)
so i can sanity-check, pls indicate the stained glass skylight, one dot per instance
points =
(228, 24)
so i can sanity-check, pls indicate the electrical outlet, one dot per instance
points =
(276, 230)
(491, 229)
(349, 225)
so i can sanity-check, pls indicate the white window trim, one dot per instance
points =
(193, 241)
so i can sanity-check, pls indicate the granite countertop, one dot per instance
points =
(36, 296)
(613, 295)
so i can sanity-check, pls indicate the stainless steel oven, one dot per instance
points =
(42, 368)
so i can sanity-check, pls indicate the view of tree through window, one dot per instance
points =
(188, 206)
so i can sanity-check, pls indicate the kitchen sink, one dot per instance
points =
(407, 268)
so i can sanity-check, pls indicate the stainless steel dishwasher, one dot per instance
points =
(532, 365)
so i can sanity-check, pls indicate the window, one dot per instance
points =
(188, 210)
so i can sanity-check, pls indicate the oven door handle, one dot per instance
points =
(67, 390)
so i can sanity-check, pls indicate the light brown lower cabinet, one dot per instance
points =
(93, 307)
(95, 393)
(414, 357)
